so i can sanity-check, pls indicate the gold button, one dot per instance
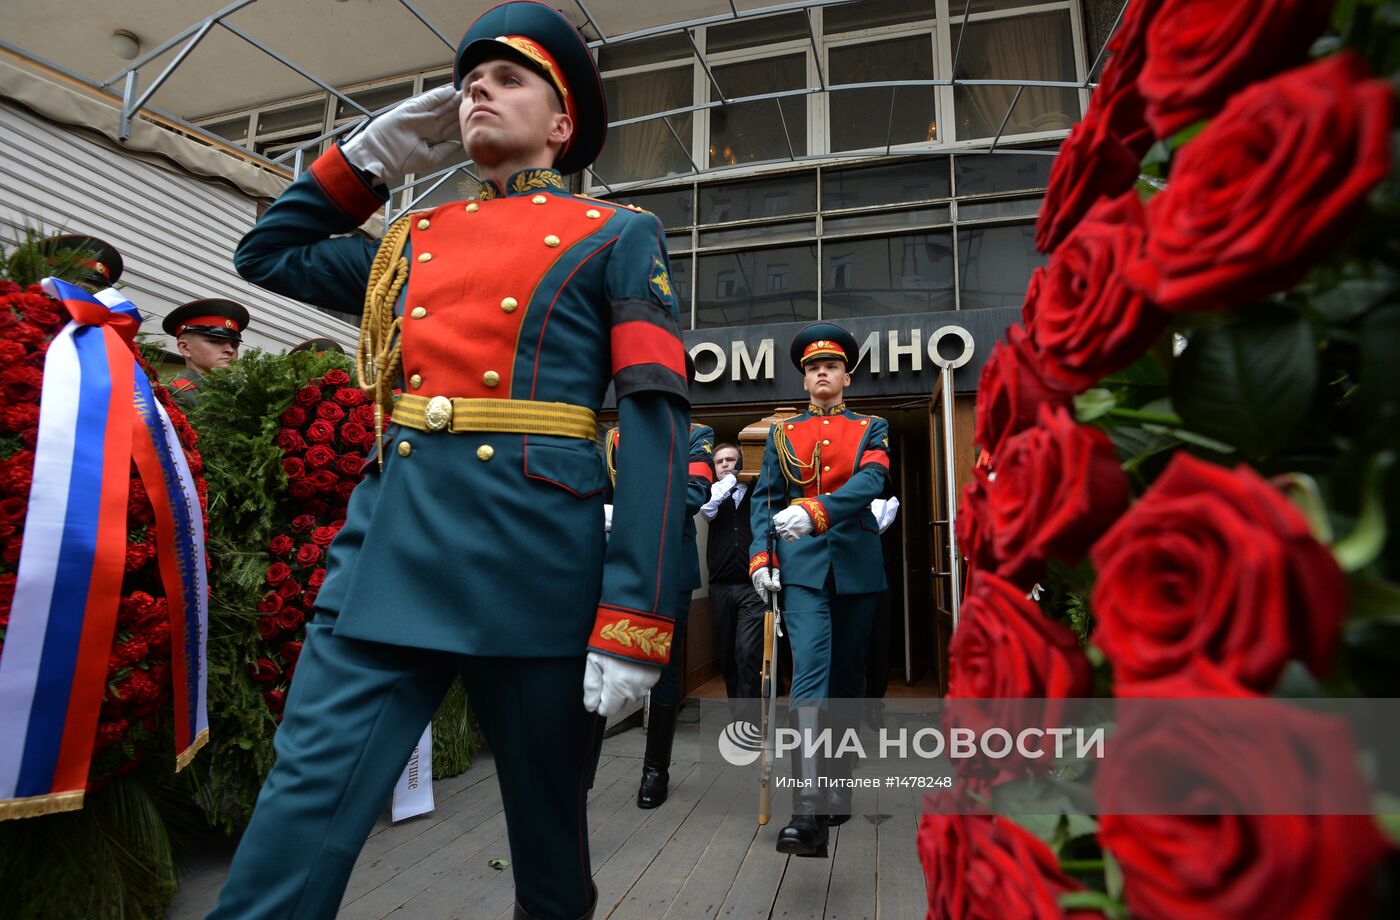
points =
(509, 304)
(593, 214)
(826, 421)
(826, 469)
(538, 199)
(415, 381)
(826, 444)
(423, 224)
(491, 378)
(789, 428)
(485, 452)
(425, 257)
(864, 421)
(418, 313)
(551, 241)
(472, 208)
(405, 448)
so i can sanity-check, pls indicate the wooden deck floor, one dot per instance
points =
(701, 854)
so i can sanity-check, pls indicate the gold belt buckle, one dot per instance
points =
(438, 413)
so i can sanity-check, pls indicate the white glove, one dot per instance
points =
(765, 581)
(611, 683)
(723, 487)
(792, 523)
(607, 518)
(884, 511)
(418, 135)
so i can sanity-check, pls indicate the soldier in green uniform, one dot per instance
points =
(208, 334)
(100, 259)
(821, 470)
(475, 545)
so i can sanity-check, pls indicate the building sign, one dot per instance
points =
(899, 356)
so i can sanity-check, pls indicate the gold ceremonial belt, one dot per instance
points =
(510, 416)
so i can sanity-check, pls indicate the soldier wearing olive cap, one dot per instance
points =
(208, 334)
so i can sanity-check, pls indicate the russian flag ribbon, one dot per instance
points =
(97, 414)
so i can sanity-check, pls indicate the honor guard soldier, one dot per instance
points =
(474, 545)
(821, 470)
(100, 259)
(666, 695)
(208, 334)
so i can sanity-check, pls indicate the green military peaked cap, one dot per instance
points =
(824, 340)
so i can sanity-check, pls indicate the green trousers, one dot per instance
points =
(828, 633)
(354, 713)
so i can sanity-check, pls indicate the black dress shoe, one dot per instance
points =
(805, 835)
(656, 763)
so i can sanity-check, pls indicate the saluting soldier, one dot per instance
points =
(821, 469)
(478, 549)
(208, 333)
(666, 695)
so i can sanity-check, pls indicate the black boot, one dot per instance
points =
(522, 914)
(838, 797)
(805, 834)
(661, 731)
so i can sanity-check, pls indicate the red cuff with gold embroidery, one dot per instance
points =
(700, 469)
(759, 562)
(815, 511)
(343, 186)
(875, 456)
(632, 634)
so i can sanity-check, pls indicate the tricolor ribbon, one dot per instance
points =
(97, 414)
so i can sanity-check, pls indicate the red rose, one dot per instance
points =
(7, 589)
(268, 626)
(354, 434)
(350, 465)
(309, 554)
(1011, 390)
(21, 416)
(126, 653)
(317, 578)
(1201, 52)
(302, 523)
(271, 602)
(290, 618)
(348, 397)
(157, 635)
(301, 489)
(290, 441)
(974, 538)
(10, 352)
(343, 489)
(984, 867)
(1233, 765)
(13, 510)
(320, 431)
(309, 598)
(336, 378)
(1007, 648)
(137, 555)
(316, 507)
(293, 417)
(290, 652)
(1118, 100)
(323, 480)
(1215, 564)
(276, 699)
(288, 589)
(278, 572)
(1269, 187)
(322, 536)
(330, 412)
(1093, 163)
(1084, 320)
(264, 670)
(363, 415)
(308, 396)
(1057, 488)
(319, 455)
(109, 733)
(280, 545)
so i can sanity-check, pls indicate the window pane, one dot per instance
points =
(988, 210)
(759, 233)
(995, 265)
(914, 180)
(672, 206)
(646, 150)
(898, 274)
(868, 14)
(275, 148)
(982, 173)
(680, 283)
(886, 220)
(234, 129)
(753, 132)
(646, 51)
(307, 115)
(863, 118)
(761, 198)
(678, 242)
(436, 80)
(955, 7)
(753, 32)
(373, 99)
(1038, 47)
(757, 286)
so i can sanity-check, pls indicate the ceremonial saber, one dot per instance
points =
(768, 692)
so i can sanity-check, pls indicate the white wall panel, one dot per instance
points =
(176, 233)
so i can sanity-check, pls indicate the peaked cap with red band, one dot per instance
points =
(99, 255)
(541, 38)
(223, 319)
(824, 340)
